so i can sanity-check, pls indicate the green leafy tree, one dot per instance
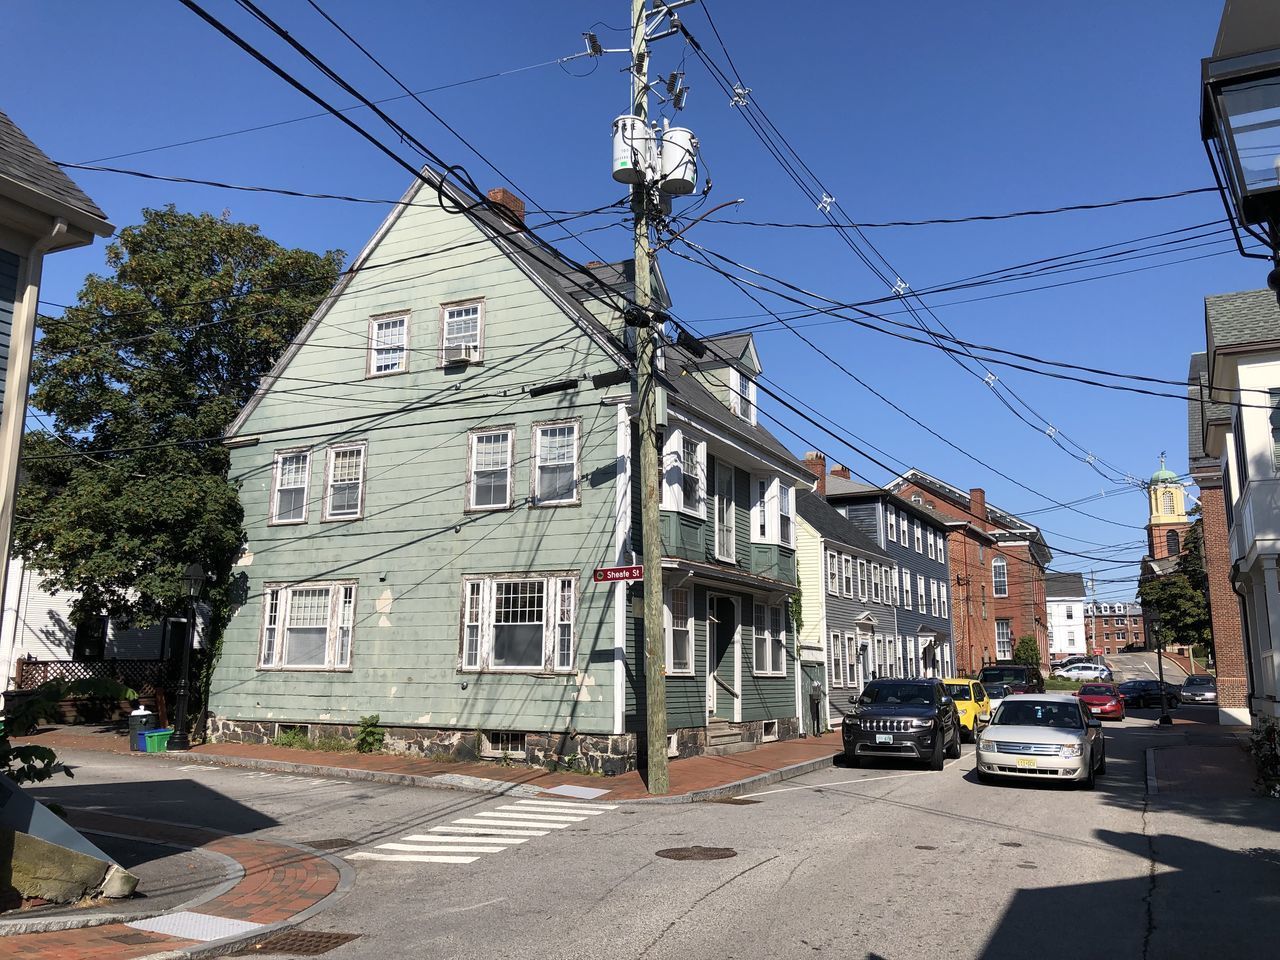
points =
(141, 377)
(1027, 652)
(32, 762)
(1181, 598)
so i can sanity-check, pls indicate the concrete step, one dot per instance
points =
(724, 750)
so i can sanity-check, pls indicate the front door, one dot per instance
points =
(722, 657)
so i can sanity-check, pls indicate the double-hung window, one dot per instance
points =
(891, 523)
(835, 660)
(726, 514)
(864, 588)
(919, 538)
(687, 489)
(490, 486)
(679, 632)
(555, 448)
(933, 597)
(921, 599)
(786, 513)
(902, 529)
(344, 498)
(461, 332)
(742, 395)
(929, 538)
(906, 589)
(846, 580)
(942, 600)
(773, 508)
(388, 345)
(1004, 639)
(894, 587)
(833, 573)
(769, 641)
(293, 468)
(308, 626)
(877, 582)
(1000, 578)
(519, 623)
(942, 557)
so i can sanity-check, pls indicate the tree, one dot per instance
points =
(1181, 598)
(141, 378)
(1027, 652)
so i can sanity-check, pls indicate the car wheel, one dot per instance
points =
(1091, 778)
(936, 759)
(954, 750)
(1102, 758)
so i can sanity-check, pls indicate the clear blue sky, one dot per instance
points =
(908, 110)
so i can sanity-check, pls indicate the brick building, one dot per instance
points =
(1224, 604)
(1109, 627)
(998, 563)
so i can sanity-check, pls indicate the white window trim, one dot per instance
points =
(877, 583)
(471, 462)
(846, 575)
(726, 553)
(673, 471)
(864, 587)
(835, 658)
(929, 539)
(942, 601)
(895, 590)
(779, 500)
(534, 499)
(921, 599)
(550, 623)
(933, 598)
(371, 357)
(902, 528)
(941, 539)
(462, 304)
(786, 496)
(760, 509)
(330, 456)
(891, 523)
(906, 589)
(995, 588)
(275, 487)
(919, 538)
(773, 645)
(669, 617)
(282, 595)
(742, 395)
(833, 573)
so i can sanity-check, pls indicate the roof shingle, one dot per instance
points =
(25, 163)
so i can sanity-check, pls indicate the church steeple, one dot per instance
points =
(1167, 520)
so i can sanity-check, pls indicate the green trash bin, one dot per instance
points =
(158, 740)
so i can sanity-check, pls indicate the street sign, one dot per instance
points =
(615, 574)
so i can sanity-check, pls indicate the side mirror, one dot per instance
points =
(853, 700)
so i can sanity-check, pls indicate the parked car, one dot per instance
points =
(972, 705)
(1132, 648)
(1200, 689)
(1140, 693)
(1103, 700)
(996, 692)
(1084, 671)
(1043, 736)
(1073, 659)
(1174, 692)
(1018, 678)
(915, 719)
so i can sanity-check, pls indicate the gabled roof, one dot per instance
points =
(24, 164)
(1064, 586)
(831, 524)
(838, 486)
(1241, 319)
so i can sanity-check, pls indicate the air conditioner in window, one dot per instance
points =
(459, 354)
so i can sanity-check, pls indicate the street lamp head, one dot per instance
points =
(193, 579)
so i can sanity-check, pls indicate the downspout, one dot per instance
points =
(21, 343)
(1233, 579)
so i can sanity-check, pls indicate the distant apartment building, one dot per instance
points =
(1065, 599)
(1110, 627)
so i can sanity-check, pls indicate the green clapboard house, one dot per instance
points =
(433, 472)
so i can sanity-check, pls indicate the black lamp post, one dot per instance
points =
(1164, 700)
(192, 583)
(1240, 123)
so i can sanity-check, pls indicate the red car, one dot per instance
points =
(1103, 700)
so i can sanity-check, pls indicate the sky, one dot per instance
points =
(920, 109)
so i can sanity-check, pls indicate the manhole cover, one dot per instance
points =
(1010, 843)
(697, 853)
(298, 943)
(736, 801)
(337, 843)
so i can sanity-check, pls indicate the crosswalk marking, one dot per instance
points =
(477, 822)
(495, 828)
(424, 848)
(411, 857)
(437, 838)
(521, 805)
(570, 804)
(537, 817)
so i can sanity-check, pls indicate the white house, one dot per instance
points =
(1064, 597)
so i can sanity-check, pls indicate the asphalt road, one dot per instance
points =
(892, 862)
(1143, 666)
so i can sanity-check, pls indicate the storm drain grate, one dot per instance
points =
(697, 853)
(298, 943)
(736, 801)
(336, 843)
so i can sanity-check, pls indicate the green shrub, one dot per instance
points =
(1264, 744)
(370, 737)
(331, 742)
(295, 737)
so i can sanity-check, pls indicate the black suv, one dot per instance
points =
(902, 718)
(1019, 678)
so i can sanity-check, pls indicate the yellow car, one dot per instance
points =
(971, 703)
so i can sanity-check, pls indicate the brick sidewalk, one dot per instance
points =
(277, 884)
(690, 778)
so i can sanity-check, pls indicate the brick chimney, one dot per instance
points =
(978, 503)
(839, 470)
(817, 465)
(513, 204)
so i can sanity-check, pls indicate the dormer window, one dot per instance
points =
(742, 395)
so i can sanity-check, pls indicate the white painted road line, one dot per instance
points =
(423, 848)
(569, 804)
(839, 783)
(410, 857)
(436, 838)
(477, 822)
(519, 806)
(530, 817)
(499, 828)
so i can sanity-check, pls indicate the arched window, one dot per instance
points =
(1171, 542)
(1166, 502)
(1000, 577)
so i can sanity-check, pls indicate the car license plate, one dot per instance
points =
(884, 738)
(1028, 762)
(1096, 709)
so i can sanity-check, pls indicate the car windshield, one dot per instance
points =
(1002, 675)
(1130, 685)
(891, 693)
(1096, 690)
(1025, 712)
(996, 691)
(1198, 682)
(959, 691)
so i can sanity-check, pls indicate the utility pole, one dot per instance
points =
(655, 654)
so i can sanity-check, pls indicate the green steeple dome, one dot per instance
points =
(1164, 475)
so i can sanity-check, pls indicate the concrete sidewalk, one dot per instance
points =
(692, 779)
